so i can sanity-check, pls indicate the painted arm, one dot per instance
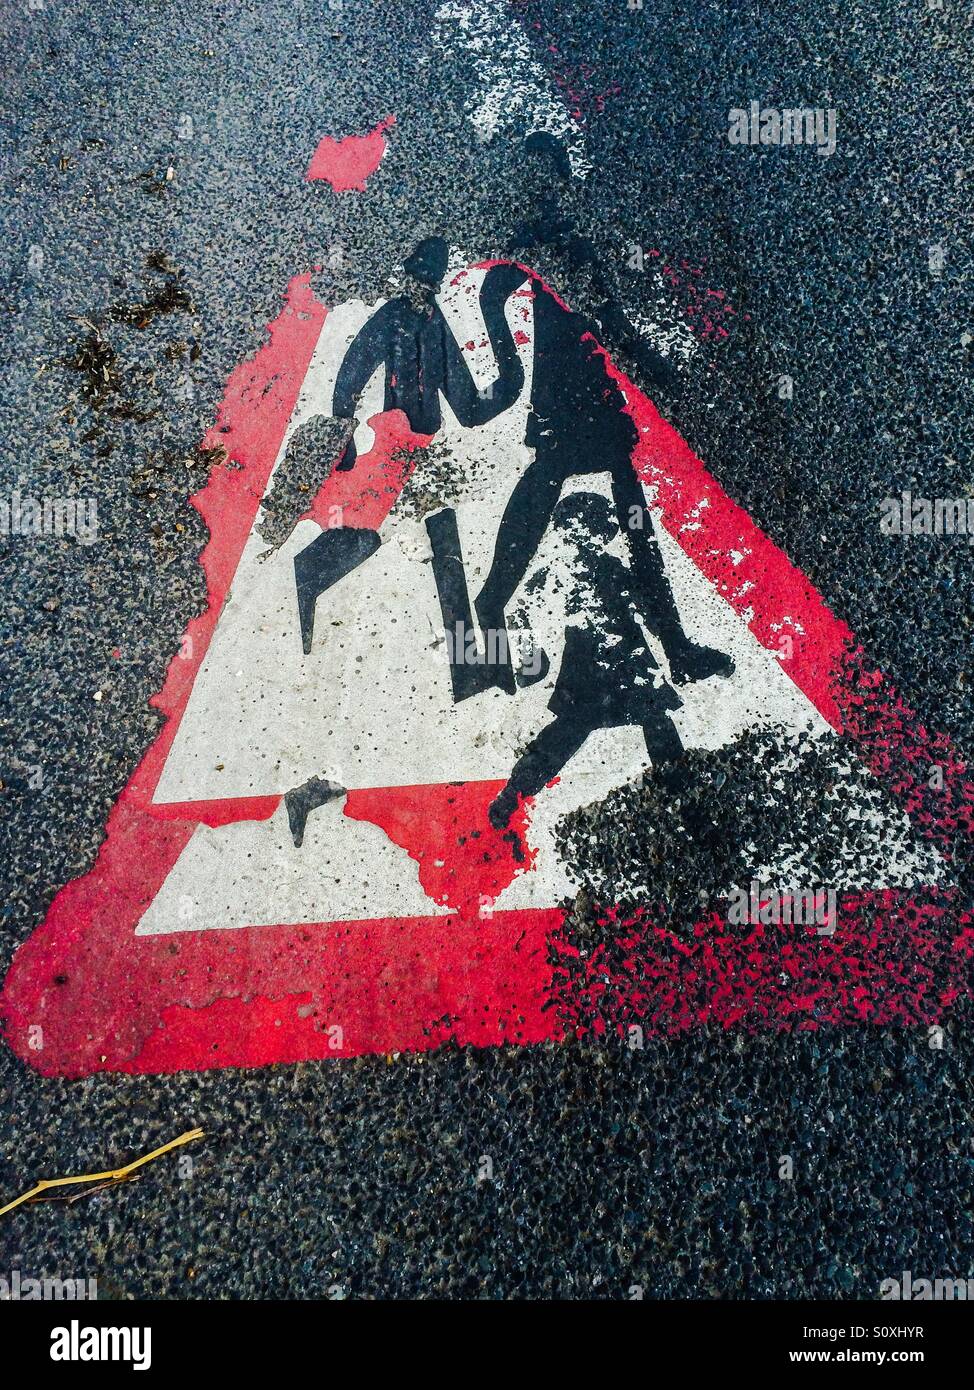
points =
(471, 406)
(369, 350)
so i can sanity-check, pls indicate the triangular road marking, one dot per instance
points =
(211, 932)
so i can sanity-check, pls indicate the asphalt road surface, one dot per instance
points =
(807, 325)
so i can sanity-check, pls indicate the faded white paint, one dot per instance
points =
(372, 705)
(509, 91)
(510, 96)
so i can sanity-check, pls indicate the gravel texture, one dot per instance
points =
(612, 1166)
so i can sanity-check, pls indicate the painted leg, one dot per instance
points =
(540, 762)
(329, 557)
(522, 527)
(687, 660)
(468, 677)
(667, 755)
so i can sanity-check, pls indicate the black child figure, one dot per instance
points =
(608, 677)
(410, 340)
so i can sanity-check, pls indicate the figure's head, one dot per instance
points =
(428, 262)
(551, 152)
(586, 516)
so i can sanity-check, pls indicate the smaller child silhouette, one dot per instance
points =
(608, 676)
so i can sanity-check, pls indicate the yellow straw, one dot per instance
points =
(115, 1174)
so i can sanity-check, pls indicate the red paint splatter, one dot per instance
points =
(708, 311)
(347, 163)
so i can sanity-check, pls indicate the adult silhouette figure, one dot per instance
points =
(411, 339)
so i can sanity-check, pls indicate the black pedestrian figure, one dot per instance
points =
(608, 676)
(578, 426)
(410, 339)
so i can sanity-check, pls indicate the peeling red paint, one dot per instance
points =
(433, 823)
(348, 162)
(895, 960)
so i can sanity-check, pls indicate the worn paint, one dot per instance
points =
(346, 163)
(404, 918)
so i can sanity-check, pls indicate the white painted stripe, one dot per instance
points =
(511, 95)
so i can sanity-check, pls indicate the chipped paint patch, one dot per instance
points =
(347, 163)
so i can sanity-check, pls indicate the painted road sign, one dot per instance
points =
(515, 590)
